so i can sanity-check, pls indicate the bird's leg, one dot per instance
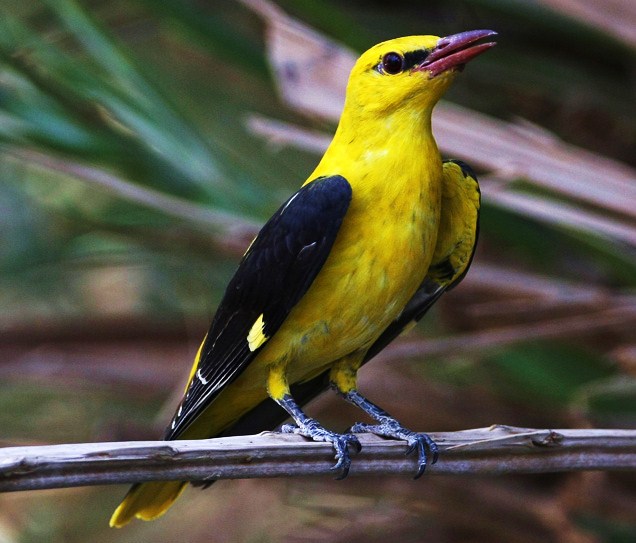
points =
(306, 426)
(343, 380)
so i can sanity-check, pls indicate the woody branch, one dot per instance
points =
(495, 450)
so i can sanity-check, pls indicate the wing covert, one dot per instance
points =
(273, 275)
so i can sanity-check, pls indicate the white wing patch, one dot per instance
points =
(195, 366)
(250, 246)
(201, 378)
(256, 337)
(287, 204)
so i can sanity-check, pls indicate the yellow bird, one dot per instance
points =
(377, 233)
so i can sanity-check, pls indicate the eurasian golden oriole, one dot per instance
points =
(377, 233)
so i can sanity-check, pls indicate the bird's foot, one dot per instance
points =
(417, 441)
(341, 442)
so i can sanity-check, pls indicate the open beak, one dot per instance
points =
(455, 51)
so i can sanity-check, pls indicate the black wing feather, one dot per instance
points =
(272, 277)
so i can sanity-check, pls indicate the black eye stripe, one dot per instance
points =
(415, 58)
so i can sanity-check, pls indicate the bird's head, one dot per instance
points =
(413, 71)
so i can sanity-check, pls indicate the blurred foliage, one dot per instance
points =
(152, 97)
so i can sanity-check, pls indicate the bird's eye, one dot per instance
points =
(392, 63)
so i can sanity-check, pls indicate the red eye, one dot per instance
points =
(392, 63)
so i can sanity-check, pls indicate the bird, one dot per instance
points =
(376, 234)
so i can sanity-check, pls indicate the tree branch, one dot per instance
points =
(495, 450)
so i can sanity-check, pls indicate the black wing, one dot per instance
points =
(272, 277)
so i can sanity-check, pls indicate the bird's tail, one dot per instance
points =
(146, 501)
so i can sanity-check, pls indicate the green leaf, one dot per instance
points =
(548, 372)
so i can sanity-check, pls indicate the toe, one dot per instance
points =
(425, 446)
(341, 443)
(417, 442)
(289, 429)
(353, 441)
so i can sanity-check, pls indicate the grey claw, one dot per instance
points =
(340, 442)
(419, 442)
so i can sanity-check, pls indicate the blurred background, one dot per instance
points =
(141, 145)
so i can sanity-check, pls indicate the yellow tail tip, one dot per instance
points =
(147, 501)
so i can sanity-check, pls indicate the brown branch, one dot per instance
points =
(612, 319)
(616, 17)
(495, 450)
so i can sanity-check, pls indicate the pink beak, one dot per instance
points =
(453, 51)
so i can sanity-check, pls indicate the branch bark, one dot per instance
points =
(494, 450)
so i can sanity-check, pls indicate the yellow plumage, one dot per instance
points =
(387, 240)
